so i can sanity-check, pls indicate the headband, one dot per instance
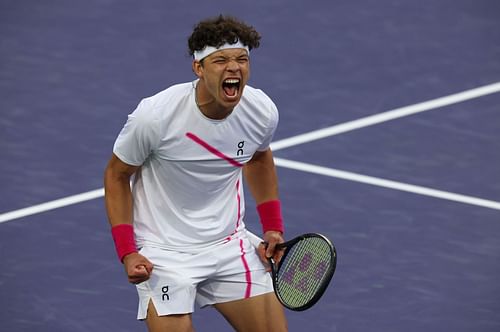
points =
(199, 55)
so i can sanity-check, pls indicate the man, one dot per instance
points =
(180, 231)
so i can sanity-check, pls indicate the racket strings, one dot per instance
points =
(303, 271)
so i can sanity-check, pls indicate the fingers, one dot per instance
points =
(261, 250)
(271, 240)
(139, 274)
(138, 268)
(148, 266)
(271, 246)
(278, 254)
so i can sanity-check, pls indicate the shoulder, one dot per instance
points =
(156, 106)
(261, 104)
(258, 97)
(169, 95)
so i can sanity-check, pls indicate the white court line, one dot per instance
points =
(386, 183)
(386, 116)
(288, 142)
(58, 203)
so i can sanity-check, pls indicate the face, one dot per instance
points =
(223, 76)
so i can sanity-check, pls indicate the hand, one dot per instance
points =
(267, 248)
(137, 267)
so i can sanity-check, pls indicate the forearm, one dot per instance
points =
(118, 198)
(261, 178)
(118, 195)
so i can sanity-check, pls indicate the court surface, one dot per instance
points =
(388, 144)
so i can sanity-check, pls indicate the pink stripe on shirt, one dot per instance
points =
(213, 150)
(238, 198)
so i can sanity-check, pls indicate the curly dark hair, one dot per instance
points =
(220, 30)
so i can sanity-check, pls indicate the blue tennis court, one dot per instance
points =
(388, 144)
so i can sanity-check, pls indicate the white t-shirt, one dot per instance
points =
(188, 194)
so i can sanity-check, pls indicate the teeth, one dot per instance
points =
(232, 81)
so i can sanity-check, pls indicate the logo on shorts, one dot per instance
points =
(165, 295)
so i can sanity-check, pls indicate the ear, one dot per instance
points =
(197, 68)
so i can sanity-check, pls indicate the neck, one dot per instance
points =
(208, 105)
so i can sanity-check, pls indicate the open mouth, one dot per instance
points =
(231, 86)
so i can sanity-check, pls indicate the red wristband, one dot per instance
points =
(270, 216)
(123, 235)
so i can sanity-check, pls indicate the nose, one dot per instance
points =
(233, 65)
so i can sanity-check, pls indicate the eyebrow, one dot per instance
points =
(220, 56)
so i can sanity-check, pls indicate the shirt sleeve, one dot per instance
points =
(139, 137)
(273, 124)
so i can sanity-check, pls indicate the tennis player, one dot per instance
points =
(179, 228)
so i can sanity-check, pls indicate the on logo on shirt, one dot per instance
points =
(240, 148)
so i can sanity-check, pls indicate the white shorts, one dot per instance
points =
(227, 272)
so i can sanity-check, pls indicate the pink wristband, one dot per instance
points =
(270, 216)
(123, 235)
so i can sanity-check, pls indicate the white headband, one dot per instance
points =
(198, 55)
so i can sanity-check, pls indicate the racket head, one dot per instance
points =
(304, 271)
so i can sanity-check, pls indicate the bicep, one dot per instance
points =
(117, 170)
(261, 158)
(118, 196)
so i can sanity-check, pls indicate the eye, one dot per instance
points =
(220, 60)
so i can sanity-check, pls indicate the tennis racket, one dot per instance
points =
(304, 271)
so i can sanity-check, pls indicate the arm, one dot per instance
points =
(118, 195)
(119, 206)
(262, 181)
(260, 175)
